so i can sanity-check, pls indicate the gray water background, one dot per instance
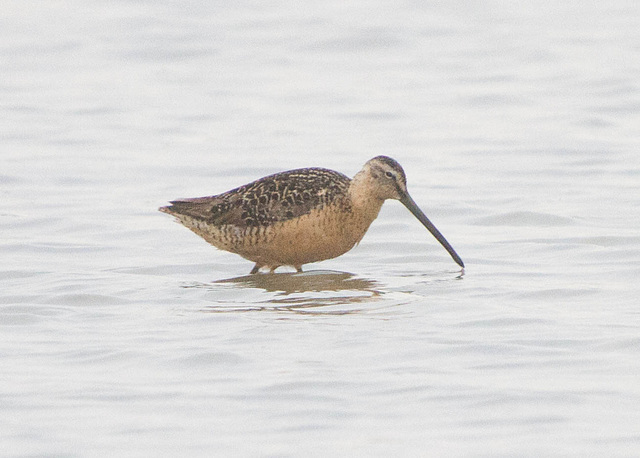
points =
(123, 334)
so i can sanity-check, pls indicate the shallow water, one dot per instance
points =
(123, 333)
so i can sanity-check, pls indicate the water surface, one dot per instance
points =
(122, 333)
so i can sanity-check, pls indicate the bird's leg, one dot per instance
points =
(255, 269)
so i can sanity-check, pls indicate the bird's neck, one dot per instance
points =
(363, 198)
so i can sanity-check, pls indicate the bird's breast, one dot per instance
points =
(323, 233)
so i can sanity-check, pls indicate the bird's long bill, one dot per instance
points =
(413, 208)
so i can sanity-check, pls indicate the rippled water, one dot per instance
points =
(122, 333)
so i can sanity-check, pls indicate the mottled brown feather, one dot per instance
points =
(279, 197)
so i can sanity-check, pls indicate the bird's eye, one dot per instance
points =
(389, 174)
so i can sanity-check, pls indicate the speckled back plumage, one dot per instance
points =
(278, 197)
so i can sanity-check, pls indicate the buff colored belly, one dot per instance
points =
(319, 235)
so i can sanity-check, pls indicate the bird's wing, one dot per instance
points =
(270, 199)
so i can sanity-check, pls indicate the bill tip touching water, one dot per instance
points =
(300, 216)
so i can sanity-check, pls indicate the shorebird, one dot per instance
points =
(300, 216)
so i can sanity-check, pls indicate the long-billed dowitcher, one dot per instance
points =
(300, 216)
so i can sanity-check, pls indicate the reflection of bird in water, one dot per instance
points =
(315, 292)
(313, 281)
(301, 216)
